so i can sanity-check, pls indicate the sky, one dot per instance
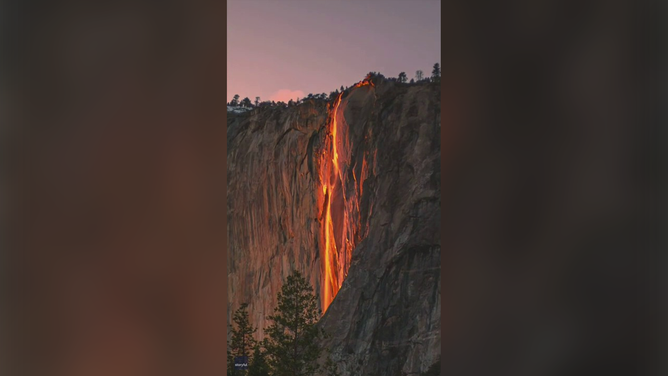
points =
(283, 49)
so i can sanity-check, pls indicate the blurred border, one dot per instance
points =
(555, 187)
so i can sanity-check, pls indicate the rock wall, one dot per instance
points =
(272, 211)
(385, 319)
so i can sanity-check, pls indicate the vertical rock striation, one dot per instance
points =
(365, 170)
(272, 210)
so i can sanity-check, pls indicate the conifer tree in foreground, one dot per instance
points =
(259, 366)
(230, 362)
(242, 339)
(292, 344)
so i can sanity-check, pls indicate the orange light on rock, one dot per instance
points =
(340, 209)
(329, 174)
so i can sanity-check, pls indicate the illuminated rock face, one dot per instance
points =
(273, 223)
(340, 201)
(349, 194)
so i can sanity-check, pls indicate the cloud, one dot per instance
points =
(285, 95)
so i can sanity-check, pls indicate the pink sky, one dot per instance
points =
(281, 49)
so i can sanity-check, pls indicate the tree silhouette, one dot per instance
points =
(242, 336)
(292, 342)
(402, 77)
(418, 75)
(257, 101)
(230, 362)
(235, 100)
(246, 102)
(259, 366)
(436, 73)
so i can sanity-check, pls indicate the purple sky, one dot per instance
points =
(277, 49)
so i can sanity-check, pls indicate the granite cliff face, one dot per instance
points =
(348, 192)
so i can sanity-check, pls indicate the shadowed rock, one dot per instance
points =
(385, 320)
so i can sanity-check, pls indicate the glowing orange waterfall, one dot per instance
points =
(340, 214)
(331, 174)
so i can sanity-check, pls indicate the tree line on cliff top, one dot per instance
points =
(292, 346)
(401, 78)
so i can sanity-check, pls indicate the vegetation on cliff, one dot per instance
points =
(292, 346)
(385, 213)
(402, 78)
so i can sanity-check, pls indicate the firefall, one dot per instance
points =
(337, 228)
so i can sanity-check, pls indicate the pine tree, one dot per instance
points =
(246, 102)
(292, 342)
(257, 101)
(436, 73)
(418, 75)
(242, 337)
(230, 362)
(259, 366)
(402, 77)
(235, 101)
